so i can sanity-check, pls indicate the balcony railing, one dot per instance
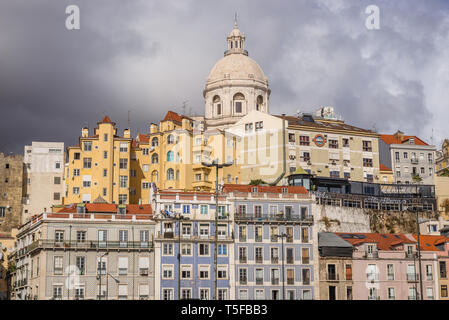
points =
(290, 259)
(273, 217)
(274, 281)
(274, 238)
(371, 255)
(290, 281)
(259, 259)
(242, 259)
(242, 238)
(258, 238)
(94, 244)
(305, 260)
(274, 259)
(306, 281)
(243, 280)
(412, 277)
(259, 281)
(332, 277)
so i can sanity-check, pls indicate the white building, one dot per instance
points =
(44, 166)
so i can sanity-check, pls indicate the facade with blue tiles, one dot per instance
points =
(272, 224)
(184, 246)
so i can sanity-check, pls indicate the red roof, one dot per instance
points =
(101, 207)
(395, 139)
(428, 242)
(106, 119)
(139, 209)
(384, 168)
(143, 138)
(273, 189)
(173, 116)
(383, 241)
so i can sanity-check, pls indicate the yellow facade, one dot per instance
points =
(99, 166)
(122, 170)
(442, 162)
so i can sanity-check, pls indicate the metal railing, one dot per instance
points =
(91, 244)
(259, 259)
(274, 259)
(242, 259)
(371, 255)
(273, 217)
(412, 277)
(332, 277)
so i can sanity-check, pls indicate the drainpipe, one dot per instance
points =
(284, 163)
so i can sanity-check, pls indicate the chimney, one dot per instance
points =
(127, 133)
(399, 135)
(153, 128)
(185, 124)
(85, 132)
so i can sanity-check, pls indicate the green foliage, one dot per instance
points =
(444, 172)
(257, 182)
(416, 178)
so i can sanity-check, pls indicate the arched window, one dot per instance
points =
(154, 158)
(229, 178)
(259, 103)
(170, 156)
(170, 174)
(170, 139)
(238, 102)
(154, 176)
(217, 105)
(177, 175)
(154, 142)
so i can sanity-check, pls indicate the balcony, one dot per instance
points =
(306, 281)
(305, 260)
(372, 277)
(258, 238)
(290, 259)
(259, 259)
(242, 238)
(168, 235)
(332, 277)
(273, 217)
(243, 280)
(274, 259)
(412, 277)
(242, 259)
(203, 184)
(259, 281)
(371, 255)
(414, 160)
(274, 281)
(274, 238)
(410, 255)
(51, 244)
(290, 281)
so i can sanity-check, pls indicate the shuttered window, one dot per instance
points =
(348, 272)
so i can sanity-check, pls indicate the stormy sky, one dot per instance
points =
(149, 56)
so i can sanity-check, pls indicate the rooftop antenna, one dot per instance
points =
(431, 138)
(298, 113)
(129, 119)
(374, 127)
(235, 21)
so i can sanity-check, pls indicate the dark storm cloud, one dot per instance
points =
(150, 56)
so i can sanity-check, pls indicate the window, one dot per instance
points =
(222, 294)
(123, 163)
(333, 144)
(154, 142)
(76, 156)
(76, 172)
(367, 162)
(243, 277)
(390, 272)
(259, 125)
(305, 234)
(304, 140)
(291, 137)
(167, 272)
(274, 276)
(87, 163)
(391, 294)
(203, 209)
(345, 142)
(76, 190)
(170, 139)
(105, 192)
(122, 292)
(57, 292)
(81, 236)
(238, 107)
(58, 265)
(145, 151)
(259, 294)
(204, 272)
(186, 271)
(123, 238)
(204, 249)
(334, 174)
(154, 158)
(405, 155)
(88, 146)
(429, 292)
(58, 165)
(123, 147)
(306, 156)
(367, 146)
(443, 291)
(122, 266)
(186, 249)
(222, 249)
(349, 293)
(123, 181)
(429, 272)
(443, 272)
(56, 196)
(105, 154)
(259, 276)
(167, 249)
(59, 236)
(242, 254)
(170, 174)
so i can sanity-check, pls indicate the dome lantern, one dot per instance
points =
(236, 40)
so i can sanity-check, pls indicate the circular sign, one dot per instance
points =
(319, 140)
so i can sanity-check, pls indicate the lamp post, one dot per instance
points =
(282, 236)
(416, 210)
(217, 166)
(99, 274)
(107, 282)
(179, 218)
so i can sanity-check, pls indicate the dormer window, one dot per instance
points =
(81, 208)
(412, 141)
(121, 210)
(254, 190)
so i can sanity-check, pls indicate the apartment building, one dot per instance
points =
(442, 161)
(274, 242)
(385, 267)
(44, 177)
(99, 165)
(185, 246)
(86, 251)
(272, 146)
(335, 267)
(411, 159)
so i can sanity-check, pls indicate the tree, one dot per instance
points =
(444, 173)
(257, 182)
(416, 178)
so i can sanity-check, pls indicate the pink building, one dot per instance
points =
(385, 267)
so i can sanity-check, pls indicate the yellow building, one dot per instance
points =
(386, 175)
(442, 161)
(99, 166)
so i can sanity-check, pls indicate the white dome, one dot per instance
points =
(236, 67)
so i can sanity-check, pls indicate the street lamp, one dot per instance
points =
(282, 236)
(107, 282)
(217, 166)
(178, 218)
(416, 210)
(99, 275)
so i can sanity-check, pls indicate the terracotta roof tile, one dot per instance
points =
(429, 242)
(384, 168)
(394, 139)
(139, 209)
(101, 207)
(106, 119)
(173, 116)
(143, 138)
(383, 241)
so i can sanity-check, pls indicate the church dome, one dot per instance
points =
(236, 66)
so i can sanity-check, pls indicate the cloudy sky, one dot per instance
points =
(150, 56)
